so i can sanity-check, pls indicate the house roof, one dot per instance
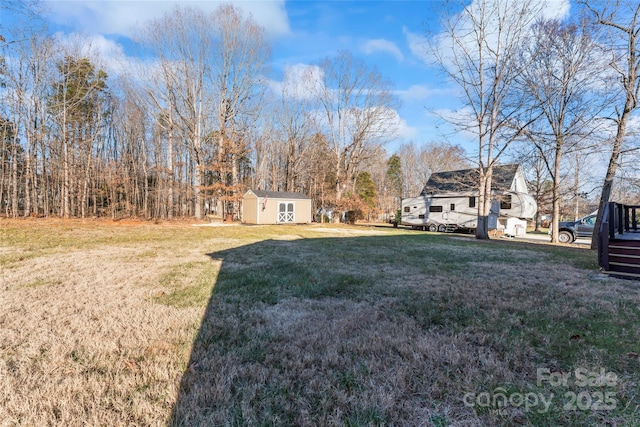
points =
(466, 180)
(279, 194)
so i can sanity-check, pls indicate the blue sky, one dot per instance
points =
(385, 34)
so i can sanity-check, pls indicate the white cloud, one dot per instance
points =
(456, 119)
(120, 17)
(305, 82)
(103, 52)
(423, 92)
(548, 9)
(107, 55)
(557, 9)
(301, 81)
(384, 46)
(633, 125)
(416, 92)
(404, 131)
(417, 44)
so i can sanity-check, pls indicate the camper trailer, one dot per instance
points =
(444, 213)
(449, 201)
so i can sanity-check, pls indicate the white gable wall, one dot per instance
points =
(519, 184)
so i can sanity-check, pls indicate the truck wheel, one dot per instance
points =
(433, 228)
(565, 237)
(442, 228)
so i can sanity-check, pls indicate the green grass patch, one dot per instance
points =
(514, 297)
(42, 281)
(190, 284)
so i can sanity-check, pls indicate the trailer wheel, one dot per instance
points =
(433, 228)
(442, 228)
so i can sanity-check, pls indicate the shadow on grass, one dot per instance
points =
(326, 331)
(234, 375)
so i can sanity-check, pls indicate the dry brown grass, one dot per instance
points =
(152, 324)
(83, 338)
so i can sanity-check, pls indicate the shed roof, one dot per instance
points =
(465, 180)
(279, 194)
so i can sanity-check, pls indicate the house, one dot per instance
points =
(275, 207)
(449, 201)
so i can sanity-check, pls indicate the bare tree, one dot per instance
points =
(238, 67)
(156, 96)
(24, 82)
(182, 43)
(126, 164)
(40, 54)
(621, 19)
(419, 162)
(210, 68)
(9, 166)
(627, 187)
(77, 102)
(320, 174)
(562, 83)
(358, 114)
(294, 130)
(265, 151)
(478, 50)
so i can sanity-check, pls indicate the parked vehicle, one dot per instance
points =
(449, 202)
(441, 213)
(569, 231)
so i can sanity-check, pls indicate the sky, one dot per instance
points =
(388, 35)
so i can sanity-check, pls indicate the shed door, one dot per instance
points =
(285, 212)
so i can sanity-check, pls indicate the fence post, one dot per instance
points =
(612, 220)
(620, 223)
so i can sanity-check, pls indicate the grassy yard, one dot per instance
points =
(106, 323)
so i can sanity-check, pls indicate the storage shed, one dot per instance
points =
(275, 207)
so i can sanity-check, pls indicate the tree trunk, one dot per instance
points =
(171, 169)
(14, 176)
(66, 180)
(630, 82)
(484, 202)
(556, 191)
(27, 182)
(611, 174)
(3, 162)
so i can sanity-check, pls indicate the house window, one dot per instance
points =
(505, 203)
(435, 208)
(472, 202)
(452, 207)
(407, 209)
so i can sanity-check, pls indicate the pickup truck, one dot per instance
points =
(569, 231)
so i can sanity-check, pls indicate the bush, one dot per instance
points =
(352, 216)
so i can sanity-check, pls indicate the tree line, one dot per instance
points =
(185, 132)
(195, 122)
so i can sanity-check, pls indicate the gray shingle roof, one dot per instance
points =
(466, 180)
(279, 194)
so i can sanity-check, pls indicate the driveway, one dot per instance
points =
(546, 238)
